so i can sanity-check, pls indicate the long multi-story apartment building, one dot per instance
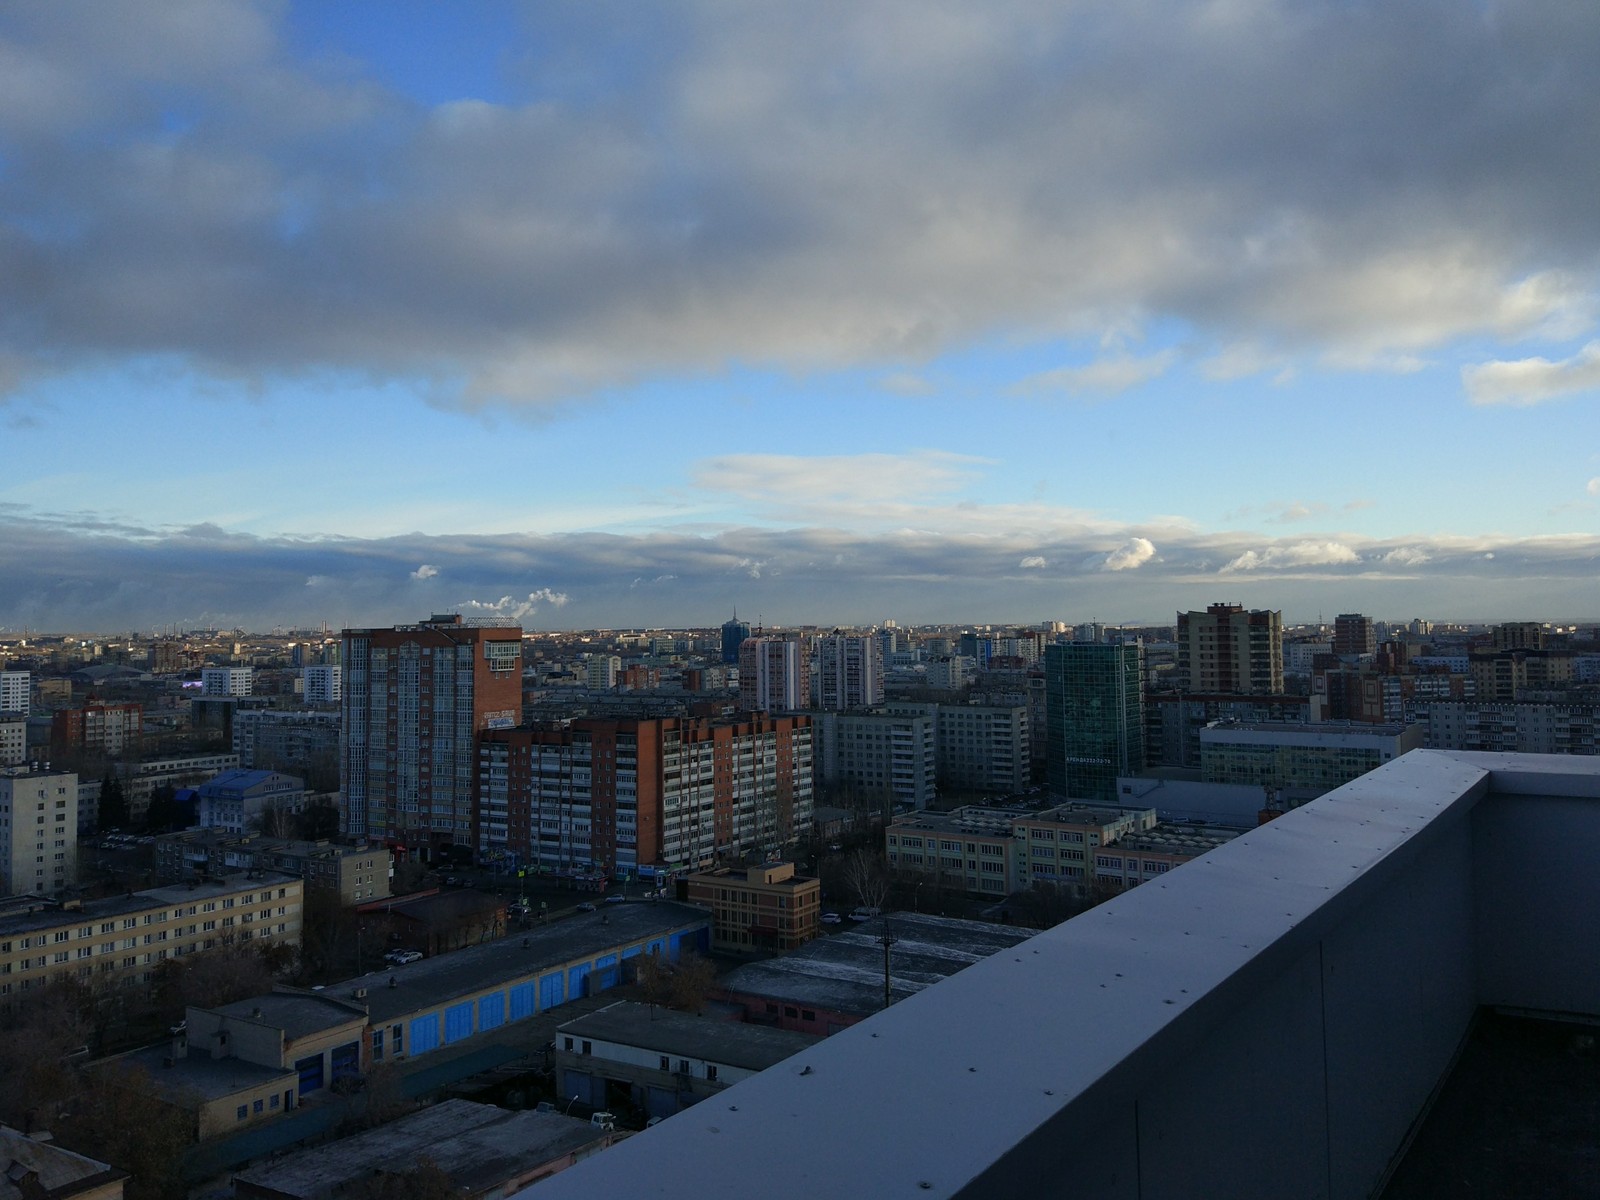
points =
(120, 941)
(109, 730)
(1230, 649)
(644, 795)
(15, 691)
(978, 747)
(286, 740)
(416, 700)
(348, 874)
(13, 739)
(1303, 761)
(882, 757)
(38, 830)
(1523, 727)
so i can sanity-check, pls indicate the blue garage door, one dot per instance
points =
(550, 991)
(522, 1001)
(457, 1022)
(605, 973)
(425, 1034)
(575, 978)
(310, 1072)
(657, 947)
(492, 1011)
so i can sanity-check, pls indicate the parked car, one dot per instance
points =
(830, 918)
(401, 957)
(617, 899)
(864, 912)
(585, 907)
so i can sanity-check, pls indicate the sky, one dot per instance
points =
(626, 314)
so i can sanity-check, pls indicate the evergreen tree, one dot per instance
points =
(113, 804)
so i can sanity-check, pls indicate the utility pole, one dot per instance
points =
(888, 939)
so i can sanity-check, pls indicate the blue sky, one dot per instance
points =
(625, 315)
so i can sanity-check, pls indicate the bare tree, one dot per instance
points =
(866, 879)
(117, 1115)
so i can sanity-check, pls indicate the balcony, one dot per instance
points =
(1272, 1020)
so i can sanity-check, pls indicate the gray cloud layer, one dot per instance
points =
(806, 185)
(67, 572)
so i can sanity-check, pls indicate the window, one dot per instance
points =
(243, 1112)
(666, 1063)
(273, 1102)
(711, 1073)
(258, 1106)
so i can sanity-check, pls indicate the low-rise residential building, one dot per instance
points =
(186, 771)
(665, 1060)
(766, 907)
(351, 874)
(38, 830)
(121, 940)
(236, 800)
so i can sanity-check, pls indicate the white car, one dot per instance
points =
(863, 912)
(401, 957)
(830, 918)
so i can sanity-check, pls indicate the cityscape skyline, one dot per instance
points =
(596, 318)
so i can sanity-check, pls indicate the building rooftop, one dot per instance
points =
(477, 1145)
(298, 1014)
(55, 1169)
(1272, 1020)
(43, 914)
(733, 1043)
(198, 1075)
(844, 972)
(444, 977)
(1176, 839)
(970, 818)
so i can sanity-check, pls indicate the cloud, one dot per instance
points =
(1106, 376)
(1407, 556)
(79, 571)
(425, 571)
(777, 190)
(905, 383)
(517, 609)
(1531, 381)
(1130, 555)
(1033, 562)
(1594, 486)
(1294, 554)
(787, 480)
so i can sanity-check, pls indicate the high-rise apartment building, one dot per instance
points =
(225, 681)
(416, 698)
(38, 831)
(1354, 635)
(109, 730)
(734, 633)
(878, 757)
(849, 672)
(774, 675)
(322, 683)
(1094, 717)
(1230, 650)
(621, 795)
(15, 687)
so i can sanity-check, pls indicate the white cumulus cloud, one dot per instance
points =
(1526, 381)
(1407, 556)
(1135, 552)
(1033, 562)
(510, 606)
(425, 571)
(1594, 486)
(1295, 554)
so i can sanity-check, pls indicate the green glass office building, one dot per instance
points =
(1094, 717)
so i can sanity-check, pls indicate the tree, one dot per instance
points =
(36, 1076)
(113, 803)
(276, 820)
(318, 820)
(220, 976)
(866, 879)
(119, 1116)
(164, 812)
(682, 985)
